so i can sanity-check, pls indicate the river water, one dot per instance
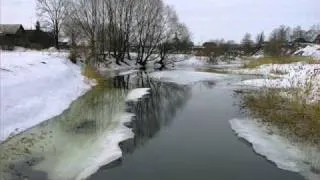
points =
(180, 131)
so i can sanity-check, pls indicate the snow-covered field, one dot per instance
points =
(285, 154)
(36, 86)
(301, 75)
(305, 77)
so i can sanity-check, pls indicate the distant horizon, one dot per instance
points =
(207, 19)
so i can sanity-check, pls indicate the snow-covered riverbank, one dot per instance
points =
(300, 158)
(302, 79)
(301, 76)
(36, 86)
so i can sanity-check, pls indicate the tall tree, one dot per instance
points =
(53, 13)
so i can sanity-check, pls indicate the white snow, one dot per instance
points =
(127, 72)
(186, 77)
(192, 61)
(297, 75)
(35, 87)
(136, 94)
(285, 154)
(310, 50)
(98, 150)
(108, 149)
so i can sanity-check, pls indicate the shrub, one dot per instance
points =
(291, 114)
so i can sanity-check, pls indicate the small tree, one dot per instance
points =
(259, 41)
(38, 27)
(247, 44)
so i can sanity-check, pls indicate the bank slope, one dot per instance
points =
(36, 86)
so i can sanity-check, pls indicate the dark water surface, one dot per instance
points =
(190, 138)
(181, 132)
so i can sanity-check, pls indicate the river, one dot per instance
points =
(180, 131)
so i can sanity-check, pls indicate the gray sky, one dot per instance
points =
(208, 19)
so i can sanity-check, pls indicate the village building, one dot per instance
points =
(12, 35)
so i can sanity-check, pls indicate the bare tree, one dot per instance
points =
(118, 27)
(260, 41)
(53, 13)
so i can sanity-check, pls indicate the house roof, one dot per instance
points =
(10, 28)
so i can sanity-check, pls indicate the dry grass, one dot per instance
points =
(292, 115)
(279, 60)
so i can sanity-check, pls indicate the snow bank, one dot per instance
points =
(108, 148)
(297, 75)
(229, 64)
(81, 157)
(186, 77)
(35, 87)
(124, 73)
(191, 61)
(285, 154)
(136, 94)
(85, 155)
(310, 50)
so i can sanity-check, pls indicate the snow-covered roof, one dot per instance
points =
(10, 28)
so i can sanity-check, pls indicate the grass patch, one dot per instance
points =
(279, 60)
(291, 115)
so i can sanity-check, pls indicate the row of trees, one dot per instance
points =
(280, 39)
(149, 27)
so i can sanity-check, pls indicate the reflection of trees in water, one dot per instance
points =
(89, 118)
(155, 111)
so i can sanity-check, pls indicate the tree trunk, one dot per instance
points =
(56, 35)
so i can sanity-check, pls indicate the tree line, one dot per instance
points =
(281, 40)
(150, 28)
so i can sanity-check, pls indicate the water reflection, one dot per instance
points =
(153, 113)
(69, 144)
(65, 140)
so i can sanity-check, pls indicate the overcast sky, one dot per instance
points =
(208, 19)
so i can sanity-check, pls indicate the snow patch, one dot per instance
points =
(186, 77)
(191, 62)
(104, 148)
(109, 148)
(136, 94)
(310, 50)
(296, 75)
(35, 87)
(124, 73)
(285, 154)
